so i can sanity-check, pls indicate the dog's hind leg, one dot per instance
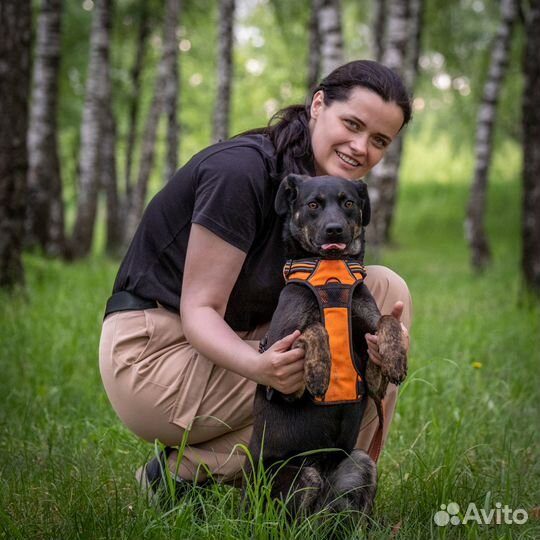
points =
(299, 487)
(352, 485)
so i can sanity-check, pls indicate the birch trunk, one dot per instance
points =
(92, 131)
(109, 179)
(135, 77)
(531, 152)
(331, 35)
(172, 86)
(138, 195)
(384, 178)
(416, 21)
(314, 51)
(45, 214)
(15, 44)
(474, 222)
(224, 70)
(378, 26)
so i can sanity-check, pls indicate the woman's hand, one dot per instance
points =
(281, 367)
(373, 340)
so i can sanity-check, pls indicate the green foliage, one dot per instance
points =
(270, 69)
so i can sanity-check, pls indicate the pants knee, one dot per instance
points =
(387, 288)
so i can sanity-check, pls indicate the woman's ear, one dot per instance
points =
(316, 104)
(287, 193)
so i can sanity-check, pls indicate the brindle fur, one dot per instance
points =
(344, 478)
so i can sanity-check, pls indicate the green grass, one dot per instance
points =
(462, 434)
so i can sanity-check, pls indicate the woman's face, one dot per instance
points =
(350, 137)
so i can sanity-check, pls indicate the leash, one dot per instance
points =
(375, 446)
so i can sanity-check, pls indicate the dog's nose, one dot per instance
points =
(334, 229)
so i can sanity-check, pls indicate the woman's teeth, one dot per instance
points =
(347, 159)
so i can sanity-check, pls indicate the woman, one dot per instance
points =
(199, 283)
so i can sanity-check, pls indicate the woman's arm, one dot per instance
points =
(210, 273)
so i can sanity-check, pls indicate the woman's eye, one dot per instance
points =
(348, 204)
(351, 124)
(380, 142)
(313, 205)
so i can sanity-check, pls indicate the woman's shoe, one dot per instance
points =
(162, 485)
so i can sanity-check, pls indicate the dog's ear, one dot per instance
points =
(362, 189)
(287, 193)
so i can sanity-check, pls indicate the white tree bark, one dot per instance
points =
(383, 180)
(45, 213)
(92, 130)
(331, 35)
(474, 223)
(138, 195)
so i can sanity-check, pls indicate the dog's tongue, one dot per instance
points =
(333, 247)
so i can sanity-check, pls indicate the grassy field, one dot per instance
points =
(466, 429)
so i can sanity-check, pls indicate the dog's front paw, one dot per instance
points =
(317, 363)
(392, 350)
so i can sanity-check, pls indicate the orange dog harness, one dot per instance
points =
(333, 283)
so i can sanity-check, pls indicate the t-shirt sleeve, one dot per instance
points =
(232, 195)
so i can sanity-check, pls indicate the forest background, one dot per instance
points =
(467, 424)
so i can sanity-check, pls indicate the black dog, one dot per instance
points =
(324, 221)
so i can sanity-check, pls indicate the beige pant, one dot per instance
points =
(163, 389)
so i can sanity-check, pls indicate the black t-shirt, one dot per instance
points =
(229, 188)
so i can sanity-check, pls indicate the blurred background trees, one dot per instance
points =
(125, 91)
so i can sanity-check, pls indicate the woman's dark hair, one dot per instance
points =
(289, 127)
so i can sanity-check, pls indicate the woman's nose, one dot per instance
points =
(359, 144)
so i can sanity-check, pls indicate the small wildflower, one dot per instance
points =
(477, 365)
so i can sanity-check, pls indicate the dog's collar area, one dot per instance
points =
(317, 270)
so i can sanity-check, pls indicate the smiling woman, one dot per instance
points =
(196, 291)
(349, 137)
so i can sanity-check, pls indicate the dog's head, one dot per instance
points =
(324, 215)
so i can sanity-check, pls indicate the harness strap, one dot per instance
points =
(333, 283)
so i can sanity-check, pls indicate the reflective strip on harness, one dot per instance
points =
(333, 283)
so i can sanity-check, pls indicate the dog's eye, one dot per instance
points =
(313, 205)
(348, 204)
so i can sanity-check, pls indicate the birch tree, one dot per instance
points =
(172, 87)
(94, 111)
(138, 194)
(16, 29)
(384, 178)
(135, 91)
(474, 222)
(314, 51)
(224, 70)
(109, 178)
(45, 209)
(378, 29)
(531, 152)
(331, 35)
